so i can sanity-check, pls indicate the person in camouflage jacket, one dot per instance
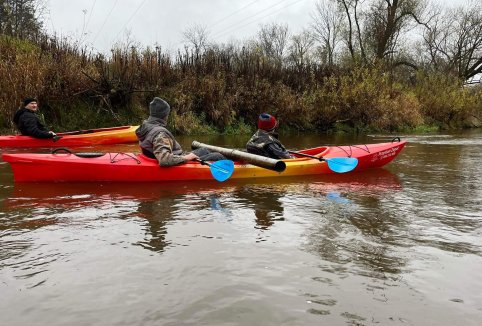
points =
(156, 141)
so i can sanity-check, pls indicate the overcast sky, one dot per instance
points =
(101, 23)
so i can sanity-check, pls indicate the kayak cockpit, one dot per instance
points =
(316, 151)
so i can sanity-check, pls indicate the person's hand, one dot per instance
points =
(190, 157)
(55, 138)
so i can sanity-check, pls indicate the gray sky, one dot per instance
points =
(101, 23)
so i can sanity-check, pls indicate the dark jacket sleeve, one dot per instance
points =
(30, 125)
(276, 151)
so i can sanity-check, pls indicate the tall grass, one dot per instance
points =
(49, 70)
(221, 90)
(445, 102)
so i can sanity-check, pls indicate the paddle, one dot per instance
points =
(220, 170)
(261, 161)
(336, 164)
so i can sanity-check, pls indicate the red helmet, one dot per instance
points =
(267, 122)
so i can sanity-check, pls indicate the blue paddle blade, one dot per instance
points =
(222, 170)
(341, 164)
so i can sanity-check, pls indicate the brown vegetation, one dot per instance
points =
(214, 88)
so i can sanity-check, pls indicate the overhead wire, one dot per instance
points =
(130, 18)
(105, 21)
(242, 21)
(90, 14)
(233, 13)
(228, 16)
(237, 25)
(84, 28)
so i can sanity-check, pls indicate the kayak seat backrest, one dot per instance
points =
(85, 155)
(89, 155)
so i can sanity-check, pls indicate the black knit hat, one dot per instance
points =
(28, 100)
(159, 108)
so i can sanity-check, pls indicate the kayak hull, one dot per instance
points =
(102, 136)
(130, 167)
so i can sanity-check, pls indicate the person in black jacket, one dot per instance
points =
(29, 123)
(265, 141)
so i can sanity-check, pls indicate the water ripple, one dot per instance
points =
(384, 247)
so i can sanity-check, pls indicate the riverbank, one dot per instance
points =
(222, 91)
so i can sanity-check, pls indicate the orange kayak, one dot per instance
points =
(101, 136)
(132, 167)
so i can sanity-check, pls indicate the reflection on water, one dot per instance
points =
(394, 246)
(157, 215)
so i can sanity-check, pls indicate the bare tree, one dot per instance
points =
(300, 48)
(197, 37)
(327, 26)
(453, 40)
(350, 8)
(387, 20)
(373, 28)
(272, 39)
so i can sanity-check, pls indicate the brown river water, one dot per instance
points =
(400, 245)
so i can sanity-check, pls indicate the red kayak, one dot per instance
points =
(131, 167)
(101, 136)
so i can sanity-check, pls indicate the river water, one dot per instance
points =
(400, 245)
